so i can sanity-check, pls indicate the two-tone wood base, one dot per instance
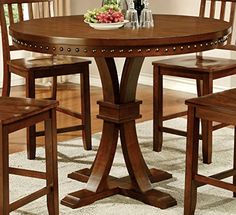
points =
(121, 186)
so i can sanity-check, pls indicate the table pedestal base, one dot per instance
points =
(120, 186)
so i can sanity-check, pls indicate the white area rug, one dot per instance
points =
(211, 201)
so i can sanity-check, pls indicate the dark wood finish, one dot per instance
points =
(139, 184)
(42, 67)
(15, 114)
(172, 35)
(68, 94)
(82, 40)
(119, 113)
(219, 107)
(203, 69)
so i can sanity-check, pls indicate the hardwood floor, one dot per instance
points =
(69, 95)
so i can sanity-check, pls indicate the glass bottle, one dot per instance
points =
(146, 19)
(132, 16)
(138, 5)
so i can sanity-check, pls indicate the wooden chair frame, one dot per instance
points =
(204, 78)
(51, 66)
(218, 107)
(42, 111)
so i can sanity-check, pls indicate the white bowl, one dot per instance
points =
(107, 26)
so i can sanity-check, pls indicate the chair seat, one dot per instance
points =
(44, 66)
(46, 62)
(15, 109)
(222, 105)
(219, 107)
(20, 113)
(204, 70)
(192, 63)
(225, 100)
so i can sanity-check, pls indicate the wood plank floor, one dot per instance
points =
(69, 96)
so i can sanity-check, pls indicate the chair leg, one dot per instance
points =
(207, 141)
(234, 160)
(157, 109)
(199, 87)
(190, 198)
(4, 176)
(85, 109)
(31, 131)
(6, 82)
(54, 88)
(207, 127)
(51, 164)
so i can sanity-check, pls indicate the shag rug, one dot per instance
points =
(71, 156)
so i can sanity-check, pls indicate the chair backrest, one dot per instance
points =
(13, 11)
(223, 10)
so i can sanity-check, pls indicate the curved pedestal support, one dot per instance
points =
(119, 110)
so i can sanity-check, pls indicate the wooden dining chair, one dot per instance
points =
(199, 67)
(16, 114)
(219, 107)
(12, 11)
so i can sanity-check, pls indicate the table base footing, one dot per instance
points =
(120, 186)
(152, 197)
(85, 197)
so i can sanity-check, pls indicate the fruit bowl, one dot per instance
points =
(107, 26)
(107, 17)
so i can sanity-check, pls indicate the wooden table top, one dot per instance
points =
(172, 34)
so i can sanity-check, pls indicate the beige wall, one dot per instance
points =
(81, 6)
(184, 7)
(187, 7)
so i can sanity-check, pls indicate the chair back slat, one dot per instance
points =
(30, 11)
(202, 8)
(49, 9)
(220, 9)
(13, 11)
(20, 12)
(231, 20)
(22, 1)
(5, 40)
(10, 14)
(212, 8)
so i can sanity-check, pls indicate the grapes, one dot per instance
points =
(106, 14)
(110, 16)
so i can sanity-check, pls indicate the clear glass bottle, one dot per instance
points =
(132, 16)
(138, 5)
(146, 19)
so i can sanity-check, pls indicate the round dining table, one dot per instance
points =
(70, 35)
